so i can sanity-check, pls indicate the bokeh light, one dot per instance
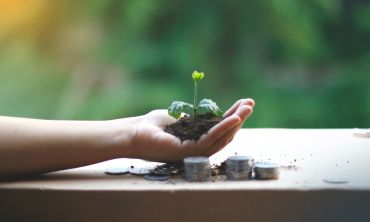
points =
(306, 63)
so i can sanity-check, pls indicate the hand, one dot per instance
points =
(150, 142)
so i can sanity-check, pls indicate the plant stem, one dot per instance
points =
(195, 98)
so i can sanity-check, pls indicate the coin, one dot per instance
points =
(365, 133)
(266, 171)
(197, 169)
(168, 169)
(155, 177)
(335, 180)
(138, 171)
(116, 170)
(239, 167)
(161, 172)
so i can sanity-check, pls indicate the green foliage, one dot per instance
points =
(208, 105)
(306, 63)
(179, 107)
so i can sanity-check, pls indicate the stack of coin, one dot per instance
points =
(266, 171)
(168, 169)
(197, 169)
(239, 168)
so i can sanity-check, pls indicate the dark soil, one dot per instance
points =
(190, 128)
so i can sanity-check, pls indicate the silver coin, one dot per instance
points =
(266, 171)
(138, 171)
(196, 160)
(161, 172)
(232, 175)
(171, 167)
(239, 168)
(239, 159)
(167, 169)
(155, 177)
(197, 169)
(266, 165)
(365, 133)
(116, 170)
(335, 180)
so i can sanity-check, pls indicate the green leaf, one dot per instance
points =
(178, 107)
(197, 76)
(210, 106)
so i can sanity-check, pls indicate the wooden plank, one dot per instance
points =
(307, 157)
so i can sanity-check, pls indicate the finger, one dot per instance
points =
(230, 139)
(233, 108)
(222, 142)
(248, 101)
(218, 130)
(244, 111)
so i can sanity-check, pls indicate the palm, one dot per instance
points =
(149, 135)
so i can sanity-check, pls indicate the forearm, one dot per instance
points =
(29, 146)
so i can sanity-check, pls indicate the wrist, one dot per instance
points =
(118, 137)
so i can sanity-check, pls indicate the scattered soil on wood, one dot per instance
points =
(190, 128)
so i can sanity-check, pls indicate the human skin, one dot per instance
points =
(34, 146)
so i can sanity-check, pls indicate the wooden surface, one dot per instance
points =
(306, 157)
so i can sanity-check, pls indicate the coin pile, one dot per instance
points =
(197, 169)
(156, 177)
(266, 171)
(239, 168)
(168, 169)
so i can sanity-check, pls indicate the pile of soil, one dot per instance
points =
(192, 128)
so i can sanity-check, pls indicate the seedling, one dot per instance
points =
(178, 107)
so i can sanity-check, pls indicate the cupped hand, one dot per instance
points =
(150, 142)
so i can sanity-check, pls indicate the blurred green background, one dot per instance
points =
(306, 63)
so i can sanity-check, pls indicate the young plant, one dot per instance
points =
(178, 107)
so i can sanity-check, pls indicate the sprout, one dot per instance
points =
(179, 107)
(197, 76)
